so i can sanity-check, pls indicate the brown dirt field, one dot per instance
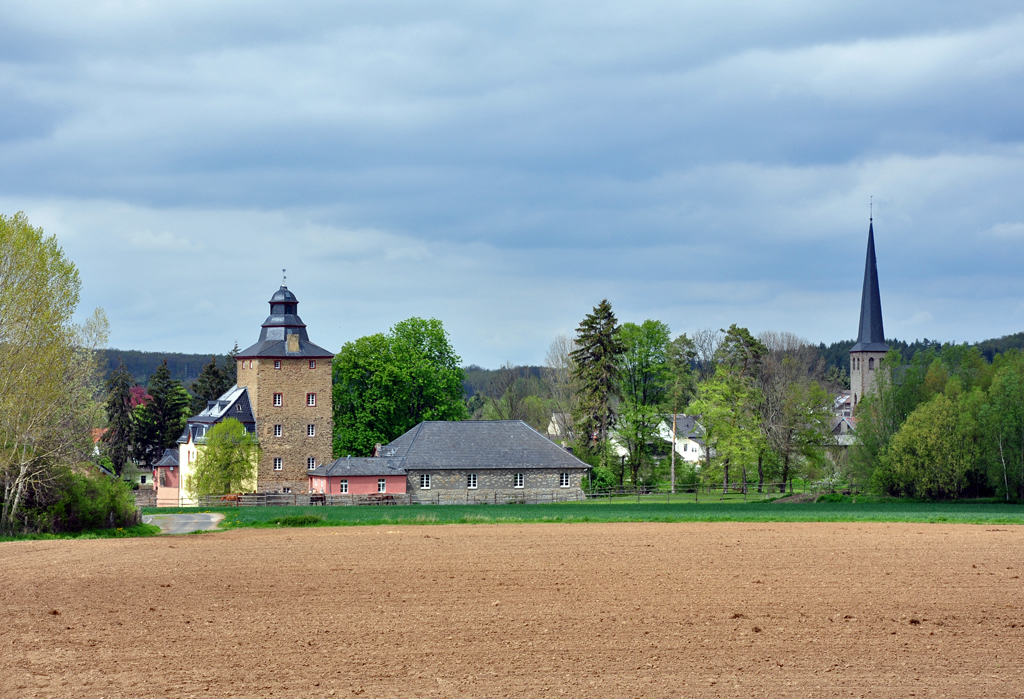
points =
(596, 610)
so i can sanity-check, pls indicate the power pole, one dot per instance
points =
(673, 451)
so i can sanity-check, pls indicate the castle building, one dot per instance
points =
(866, 356)
(288, 383)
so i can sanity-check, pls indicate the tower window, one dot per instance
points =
(871, 364)
(277, 363)
(310, 399)
(278, 399)
(312, 364)
(278, 463)
(277, 430)
(311, 430)
(311, 463)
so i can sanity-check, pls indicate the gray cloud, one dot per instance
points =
(504, 167)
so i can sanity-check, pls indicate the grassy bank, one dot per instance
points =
(118, 533)
(962, 512)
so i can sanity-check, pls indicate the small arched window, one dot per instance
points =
(871, 364)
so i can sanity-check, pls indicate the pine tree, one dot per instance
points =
(210, 385)
(596, 357)
(164, 416)
(120, 435)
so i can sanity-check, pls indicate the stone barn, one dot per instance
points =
(484, 461)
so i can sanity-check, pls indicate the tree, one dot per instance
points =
(560, 374)
(120, 435)
(227, 461)
(796, 411)
(934, 451)
(596, 370)
(162, 420)
(644, 382)
(682, 386)
(385, 384)
(48, 372)
(727, 405)
(1003, 417)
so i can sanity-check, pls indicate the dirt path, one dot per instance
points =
(595, 610)
(185, 523)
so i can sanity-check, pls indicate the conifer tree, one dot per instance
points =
(596, 357)
(163, 418)
(120, 435)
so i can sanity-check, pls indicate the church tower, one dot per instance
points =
(289, 384)
(866, 356)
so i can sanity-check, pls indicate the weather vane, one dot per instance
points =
(871, 208)
(284, 277)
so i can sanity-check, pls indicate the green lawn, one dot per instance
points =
(650, 509)
(117, 533)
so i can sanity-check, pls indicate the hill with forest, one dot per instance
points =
(183, 367)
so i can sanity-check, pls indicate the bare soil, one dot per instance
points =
(595, 610)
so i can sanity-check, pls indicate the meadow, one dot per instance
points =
(648, 509)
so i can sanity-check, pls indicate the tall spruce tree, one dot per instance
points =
(596, 357)
(162, 420)
(120, 435)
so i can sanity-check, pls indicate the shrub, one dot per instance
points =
(89, 502)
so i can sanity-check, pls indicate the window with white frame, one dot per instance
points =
(278, 463)
(310, 399)
(311, 430)
(277, 363)
(278, 400)
(311, 463)
(382, 485)
(517, 480)
(425, 481)
(312, 364)
(471, 480)
(278, 430)
(563, 480)
(287, 490)
(343, 485)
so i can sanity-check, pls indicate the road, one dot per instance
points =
(184, 524)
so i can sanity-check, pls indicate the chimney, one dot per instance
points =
(377, 449)
(293, 343)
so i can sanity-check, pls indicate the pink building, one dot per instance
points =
(360, 476)
(167, 479)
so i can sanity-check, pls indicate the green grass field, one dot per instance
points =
(653, 509)
(117, 533)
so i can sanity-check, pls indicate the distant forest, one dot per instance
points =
(479, 381)
(184, 367)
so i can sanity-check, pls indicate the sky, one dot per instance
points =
(505, 166)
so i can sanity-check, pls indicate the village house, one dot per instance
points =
(472, 461)
(359, 476)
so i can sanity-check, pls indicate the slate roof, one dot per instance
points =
(478, 444)
(368, 466)
(234, 403)
(686, 427)
(282, 322)
(871, 337)
(170, 458)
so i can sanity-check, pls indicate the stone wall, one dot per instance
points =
(449, 487)
(294, 380)
(145, 497)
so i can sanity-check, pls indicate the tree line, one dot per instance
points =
(948, 423)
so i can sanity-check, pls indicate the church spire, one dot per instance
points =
(871, 337)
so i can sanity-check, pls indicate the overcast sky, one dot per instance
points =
(503, 166)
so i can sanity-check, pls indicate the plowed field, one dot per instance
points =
(594, 610)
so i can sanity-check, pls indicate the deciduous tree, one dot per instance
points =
(385, 384)
(226, 462)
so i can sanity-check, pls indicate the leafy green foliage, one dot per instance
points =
(645, 378)
(386, 384)
(89, 502)
(226, 463)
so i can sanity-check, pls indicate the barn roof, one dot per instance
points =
(479, 444)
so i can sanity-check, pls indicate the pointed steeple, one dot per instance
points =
(871, 337)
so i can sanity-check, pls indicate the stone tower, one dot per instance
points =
(289, 384)
(866, 356)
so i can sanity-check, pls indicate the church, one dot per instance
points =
(867, 354)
